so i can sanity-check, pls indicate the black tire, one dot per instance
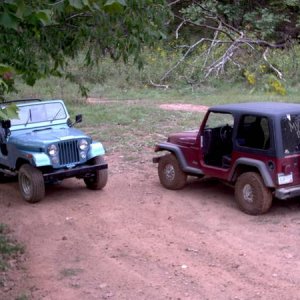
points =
(99, 178)
(2, 177)
(170, 174)
(251, 194)
(31, 183)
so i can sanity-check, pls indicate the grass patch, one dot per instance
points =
(70, 272)
(9, 248)
(22, 297)
(131, 121)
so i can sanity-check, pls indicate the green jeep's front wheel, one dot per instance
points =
(31, 183)
(99, 178)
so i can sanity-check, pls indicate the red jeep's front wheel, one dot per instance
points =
(31, 183)
(251, 194)
(170, 174)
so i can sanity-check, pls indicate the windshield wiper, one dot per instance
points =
(29, 117)
(55, 115)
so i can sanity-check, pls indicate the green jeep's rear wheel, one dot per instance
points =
(170, 174)
(251, 194)
(99, 178)
(31, 183)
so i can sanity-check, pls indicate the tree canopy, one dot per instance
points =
(39, 36)
(233, 32)
(276, 21)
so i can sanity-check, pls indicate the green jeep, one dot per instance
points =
(41, 146)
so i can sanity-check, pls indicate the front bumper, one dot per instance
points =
(288, 192)
(79, 171)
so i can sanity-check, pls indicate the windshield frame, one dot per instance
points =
(40, 114)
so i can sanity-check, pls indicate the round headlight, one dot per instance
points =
(83, 145)
(52, 150)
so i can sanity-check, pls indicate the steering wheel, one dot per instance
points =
(225, 133)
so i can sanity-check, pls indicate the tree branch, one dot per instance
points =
(279, 74)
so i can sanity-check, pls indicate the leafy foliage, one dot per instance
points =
(276, 21)
(38, 37)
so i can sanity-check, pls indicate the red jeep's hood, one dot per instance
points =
(183, 138)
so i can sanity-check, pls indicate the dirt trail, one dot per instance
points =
(137, 240)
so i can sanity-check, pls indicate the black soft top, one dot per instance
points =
(259, 108)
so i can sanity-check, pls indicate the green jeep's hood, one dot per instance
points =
(41, 137)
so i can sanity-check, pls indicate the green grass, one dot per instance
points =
(8, 247)
(70, 272)
(131, 121)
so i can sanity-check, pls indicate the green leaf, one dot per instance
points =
(3, 84)
(114, 6)
(8, 20)
(44, 16)
(76, 4)
(3, 115)
(12, 111)
(5, 68)
(21, 9)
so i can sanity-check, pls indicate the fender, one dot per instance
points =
(36, 159)
(180, 157)
(253, 163)
(96, 149)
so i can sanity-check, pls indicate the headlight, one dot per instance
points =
(52, 150)
(83, 145)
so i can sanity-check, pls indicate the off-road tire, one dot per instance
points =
(2, 177)
(170, 174)
(31, 183)
(251, 194)
(99, 179)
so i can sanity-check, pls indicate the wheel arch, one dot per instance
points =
(174, 149)
(243, 165)
(171, 149)
(20, 162)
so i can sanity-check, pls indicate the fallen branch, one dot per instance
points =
(164, 86)
(279, 74)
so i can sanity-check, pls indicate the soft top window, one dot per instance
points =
(254, 132)
(40, 112)
(290, 128)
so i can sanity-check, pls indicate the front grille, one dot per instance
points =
(68, 152)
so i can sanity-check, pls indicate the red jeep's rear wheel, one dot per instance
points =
(170, 174)
(252, 196)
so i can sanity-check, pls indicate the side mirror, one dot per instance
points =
(78, 119)
(6, 124)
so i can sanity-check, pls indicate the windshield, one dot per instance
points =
(290, 128)
(39, 112)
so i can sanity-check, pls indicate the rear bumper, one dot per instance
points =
(288, 192)
(79, 171)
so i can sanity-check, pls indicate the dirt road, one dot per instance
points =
(137, 240)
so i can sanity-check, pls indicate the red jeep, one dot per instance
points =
(254, 146)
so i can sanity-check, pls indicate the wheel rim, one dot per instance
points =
(26, 184)
(169, 172)
(248, 193)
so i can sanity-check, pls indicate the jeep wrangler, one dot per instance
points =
(41, 146)
(253, 146)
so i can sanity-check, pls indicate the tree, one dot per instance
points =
(38, 37)
(227, 31)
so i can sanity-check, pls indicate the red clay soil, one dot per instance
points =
(137, 240)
